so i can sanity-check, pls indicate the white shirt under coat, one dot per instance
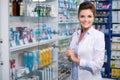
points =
(90, 50)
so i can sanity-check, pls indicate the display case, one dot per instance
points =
(32, 34)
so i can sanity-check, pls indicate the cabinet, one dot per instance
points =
(32, 34)
(115, 50)
(104, 18)
(13, 61)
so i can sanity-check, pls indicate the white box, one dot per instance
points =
(114, 16)
(114, 5)
(119, 17)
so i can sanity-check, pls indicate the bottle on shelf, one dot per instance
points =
(10, 8)
(18, 7)
(21, 9)
(14, 7)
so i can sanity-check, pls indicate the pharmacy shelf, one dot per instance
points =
(115, 23)
(115, 68)
(71, 12)
(64, 37)
(116, 35)
(103, 9)
(115, 58)
(115, 41)
(30, 45)
(50, 0)
(100, 0)
(100, 23)
(107, 79)
(31, 18)
(27, 75)
(43, 0)
(115, 49)
(102, 16)
(62, 23)
(115, 9)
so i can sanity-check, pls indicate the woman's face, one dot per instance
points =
(86, 18)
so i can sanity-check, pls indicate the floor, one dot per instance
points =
(103, 79)
(108, 79)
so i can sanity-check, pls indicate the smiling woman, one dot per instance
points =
(86, 18)
(87, 46)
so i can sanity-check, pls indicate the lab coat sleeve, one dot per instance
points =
(96, 63)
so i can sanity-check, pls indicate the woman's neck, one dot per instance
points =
(84, 30)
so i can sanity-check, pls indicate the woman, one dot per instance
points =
(87, 47)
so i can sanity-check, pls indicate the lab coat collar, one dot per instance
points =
(88, 32)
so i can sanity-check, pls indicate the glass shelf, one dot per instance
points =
(30, 18)
(50, 0)
(29, 45)
(115, 58)
(62, 23)
(34, 72)
(64, 37)
(102, 9)
(101, 23)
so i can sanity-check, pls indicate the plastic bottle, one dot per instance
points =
(10, 8)
(21, 9)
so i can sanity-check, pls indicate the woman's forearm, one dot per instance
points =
(75, 59)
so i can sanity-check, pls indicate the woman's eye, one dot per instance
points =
(89, 16)
(81, 16)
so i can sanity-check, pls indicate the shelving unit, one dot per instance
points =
(32, 36)
(67, 17)
(115, 50)
(67, 24)
(63, 23)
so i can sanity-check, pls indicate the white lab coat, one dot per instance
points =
(90, 51)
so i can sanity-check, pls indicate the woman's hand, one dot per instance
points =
(69, 53)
